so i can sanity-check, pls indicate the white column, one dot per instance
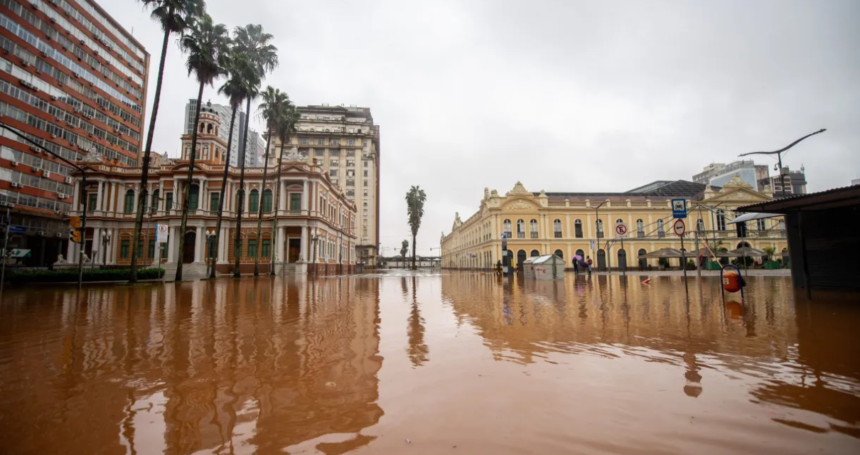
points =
(134, 204)
(171, 244)
(99, 196)
(304, 247)
(200, 242)
(97, 244)
(76, 197)
(305, 200)
(224, 241)
(70, 251)
(280, 255)
(114, 238)
(283, 200)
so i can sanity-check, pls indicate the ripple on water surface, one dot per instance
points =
(428, 363)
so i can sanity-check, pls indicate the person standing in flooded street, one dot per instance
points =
(427, 362)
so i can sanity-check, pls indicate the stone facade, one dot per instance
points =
(315, 220)
(567, 223)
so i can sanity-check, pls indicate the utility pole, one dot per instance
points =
(778, 154)
(5, 248)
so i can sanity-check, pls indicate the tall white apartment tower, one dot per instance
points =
(346, 143)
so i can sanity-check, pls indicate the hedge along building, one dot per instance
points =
(566, 223)
(315, 219)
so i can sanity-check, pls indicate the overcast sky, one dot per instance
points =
(561, 95)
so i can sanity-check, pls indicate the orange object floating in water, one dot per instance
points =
(731, 282)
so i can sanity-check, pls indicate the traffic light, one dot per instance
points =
(75, 234)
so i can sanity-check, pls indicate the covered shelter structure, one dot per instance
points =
(823, 240)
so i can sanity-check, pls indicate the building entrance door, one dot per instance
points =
(601, 260)
(295, 248)
(188, 248)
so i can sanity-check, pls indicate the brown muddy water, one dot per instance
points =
(428, 363)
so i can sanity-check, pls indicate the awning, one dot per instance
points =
(749, 252)
(663, 253)
(753, 216)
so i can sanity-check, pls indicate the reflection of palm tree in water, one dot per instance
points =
(693, 388)
(415, 330)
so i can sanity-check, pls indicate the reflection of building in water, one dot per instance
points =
(594, 316)
(199, 366)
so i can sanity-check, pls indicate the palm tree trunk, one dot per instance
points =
(186, 192)
(237, 244)
(413, 250)
(144, 176)
(261, 206)
(277, 204)
(223, 192)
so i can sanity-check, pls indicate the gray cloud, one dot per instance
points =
(564, 96)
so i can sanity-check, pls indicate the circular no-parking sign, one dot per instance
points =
(679, 227)
(621, 229)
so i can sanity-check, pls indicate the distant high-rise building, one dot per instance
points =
(224, 115)
(795, 182)
(346, 143)
(74, 82)
(717, 174)
(855, 182)
(257, 149)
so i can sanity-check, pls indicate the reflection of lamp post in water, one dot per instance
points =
(105, 242)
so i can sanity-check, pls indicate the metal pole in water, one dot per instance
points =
(5, 250)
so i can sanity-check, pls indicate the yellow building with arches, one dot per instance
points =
(584, 224)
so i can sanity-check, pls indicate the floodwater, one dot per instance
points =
(450, 362)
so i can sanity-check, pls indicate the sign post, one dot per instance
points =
(679, 229)
(621, 230)
(679, 208)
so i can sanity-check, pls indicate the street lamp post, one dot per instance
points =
(106, 237)
(779, 153)
(596, 231)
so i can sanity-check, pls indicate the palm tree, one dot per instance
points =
(175, 16)
(242, 79)
(271, 109)
(256, 45)
(404, 249)
(208, 48)
(290, 116)
(415, 208)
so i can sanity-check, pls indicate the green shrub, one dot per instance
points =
(663, 261)
(691, 265)
(772, 265)
(71, 275)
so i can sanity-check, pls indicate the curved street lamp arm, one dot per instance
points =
(787, 147)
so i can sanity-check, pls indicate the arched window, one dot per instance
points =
(521, 229)
(533, 229)
(254, 202)
(129, 201)
(600, 229)
(661, 232)
(194, 197)
(556, 229)
(559, 253)
(578, 229)
(209, 129)
(761, 224)
(267, 201)
(640, 228)
(721, 220)
(534, 253)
